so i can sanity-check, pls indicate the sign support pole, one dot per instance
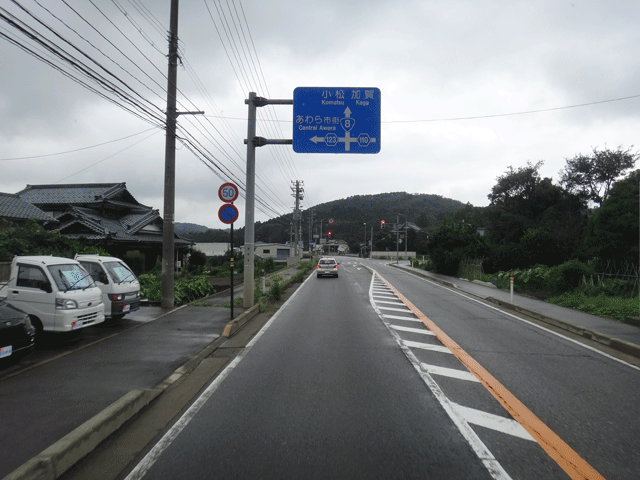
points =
(249, 232)
(232, 266)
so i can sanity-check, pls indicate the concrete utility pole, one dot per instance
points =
(168, 230)
(311, 214)
(299, 195)
(168, 255)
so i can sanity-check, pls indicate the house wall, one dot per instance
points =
(276, 251)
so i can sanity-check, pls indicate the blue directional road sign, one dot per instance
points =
(336, 120)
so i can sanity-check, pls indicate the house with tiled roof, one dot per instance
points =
(105, 213)
(16, 211)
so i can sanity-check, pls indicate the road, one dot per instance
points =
(347, 381)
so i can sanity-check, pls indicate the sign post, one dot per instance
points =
(228, 214)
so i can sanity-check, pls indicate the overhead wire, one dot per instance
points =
(107, 84)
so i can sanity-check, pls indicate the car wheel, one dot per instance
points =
(317, 276)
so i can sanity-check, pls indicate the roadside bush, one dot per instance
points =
(186, 289)
(567, 276)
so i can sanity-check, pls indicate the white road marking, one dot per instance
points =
(391, 303)
(427, 346)
(400, 317)
(494, 422)
(395, 309)
(450, 372)
(422, 331)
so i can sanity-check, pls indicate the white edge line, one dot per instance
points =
(480, 449)
(150, 458)
(588, 347)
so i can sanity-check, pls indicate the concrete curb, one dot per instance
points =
(54, 461)
(615, 343)
(237, 323)
(59, 457)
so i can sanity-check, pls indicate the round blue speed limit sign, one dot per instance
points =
(228, 192)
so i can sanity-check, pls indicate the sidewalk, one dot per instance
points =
(617, 335)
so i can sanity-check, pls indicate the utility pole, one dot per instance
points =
(312, 213)
(299, 195)
(168, 227)
(168, 256)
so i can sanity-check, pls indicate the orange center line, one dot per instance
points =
(567, 458)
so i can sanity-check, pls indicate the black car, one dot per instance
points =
(17, 335)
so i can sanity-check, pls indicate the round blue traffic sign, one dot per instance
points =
(228, 213)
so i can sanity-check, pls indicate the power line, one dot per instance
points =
(77, 149)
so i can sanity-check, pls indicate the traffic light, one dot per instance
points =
(382, 222)
(329, 234)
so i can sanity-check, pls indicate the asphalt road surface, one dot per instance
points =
(347, 381)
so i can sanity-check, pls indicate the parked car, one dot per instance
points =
(17, 335)
(57, 293)
(327, 266)
(119, 285)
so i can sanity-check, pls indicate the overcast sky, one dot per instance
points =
(455, 78)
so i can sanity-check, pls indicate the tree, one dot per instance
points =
(515, 185)
(451, 243)
(32, 239)
(591, 176)
(522, 201)
(613, 230)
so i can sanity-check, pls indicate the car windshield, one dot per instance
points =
(70, 276)
(119, 272)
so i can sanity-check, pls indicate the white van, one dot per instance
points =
(119, 285)
(57, 293)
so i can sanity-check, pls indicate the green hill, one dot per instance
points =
(349, 215)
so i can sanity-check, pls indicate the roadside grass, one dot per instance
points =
(616, 308)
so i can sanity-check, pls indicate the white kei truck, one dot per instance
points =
(57, 293)
(119, 285)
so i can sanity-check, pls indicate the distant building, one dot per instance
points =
(281, 253)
